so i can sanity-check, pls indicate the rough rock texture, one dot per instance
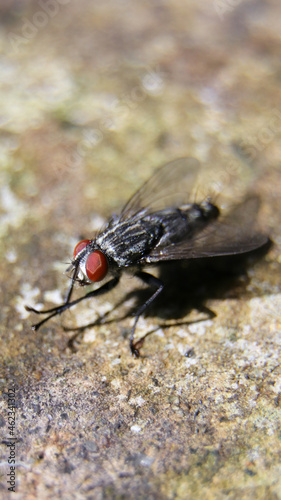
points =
(94, 96)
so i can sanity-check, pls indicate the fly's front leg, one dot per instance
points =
(54, 310)
(150, 280)
(67, 305)
(70, 290)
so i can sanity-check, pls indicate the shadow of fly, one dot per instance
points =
(158, 224)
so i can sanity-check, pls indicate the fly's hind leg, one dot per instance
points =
(149, 280)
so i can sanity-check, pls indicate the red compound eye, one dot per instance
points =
(82, 244)
(96, 266)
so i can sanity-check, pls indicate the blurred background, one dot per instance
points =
(94, 96)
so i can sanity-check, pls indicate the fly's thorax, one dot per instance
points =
(126, 242)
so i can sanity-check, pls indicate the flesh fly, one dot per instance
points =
(159, 223)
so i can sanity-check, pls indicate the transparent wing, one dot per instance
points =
(233, 234)
(169, 186)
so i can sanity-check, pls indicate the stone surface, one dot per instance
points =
(94, 96)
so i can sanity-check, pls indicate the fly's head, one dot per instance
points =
(89, 264)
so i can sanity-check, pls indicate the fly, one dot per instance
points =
(159, 224)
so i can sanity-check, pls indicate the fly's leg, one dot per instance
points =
(150, 280)
(67, 305)
(70, 290)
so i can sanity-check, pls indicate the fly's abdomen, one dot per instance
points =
(184, 222)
